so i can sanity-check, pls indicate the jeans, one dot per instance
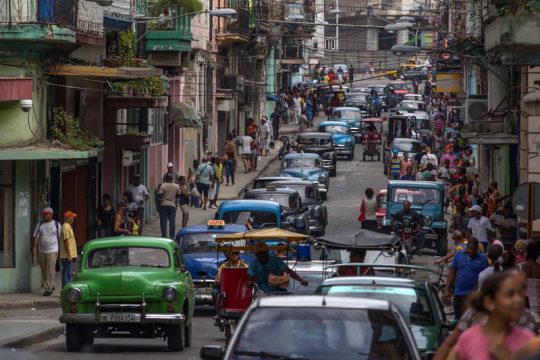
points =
(229, 170)
(394, 176)
(420, 241)
(67, 271)
(167, 213)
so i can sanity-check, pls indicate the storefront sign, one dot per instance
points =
(450, 83)
(449, 66)
(89, 23)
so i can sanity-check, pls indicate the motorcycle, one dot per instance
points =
(406, 230)
(375, 107)
(288, 146)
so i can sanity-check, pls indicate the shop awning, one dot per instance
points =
(105, 72)
(44, 152)
(184, 115)
(12, 89)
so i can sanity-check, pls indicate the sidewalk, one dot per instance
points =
(28, 318)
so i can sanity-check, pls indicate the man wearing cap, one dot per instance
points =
(45, 246)
(140, 195)
(478, 225)
(170, 170)
(266, 265)
(68, 247)
(394, 166)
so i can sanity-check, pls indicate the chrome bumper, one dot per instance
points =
(344, 151)
(144, 319)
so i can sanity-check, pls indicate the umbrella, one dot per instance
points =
(264, 234)
(362, 239)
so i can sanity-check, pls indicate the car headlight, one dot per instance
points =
(299, 222)
(169, 293)
(322, 178)
(316, 211)
(74, 295)
(428, 220)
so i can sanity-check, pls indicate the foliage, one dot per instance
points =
(148, 87)
(188, 6)
(67, 130)
(126, 45)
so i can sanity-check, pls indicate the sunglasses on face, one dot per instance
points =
(235, 253)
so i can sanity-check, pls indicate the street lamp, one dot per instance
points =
(398, 26)
(400, 50)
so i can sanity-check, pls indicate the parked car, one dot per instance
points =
(427, 199)
(307, 167)
(350, 115)
(412, 146)
(262, 182)
(292, 209)
(382, 93)
(134, 286)
(416, 300)
(321, 144)
(309, 192)
(360, 100)
(260, 213)
(314, 271)
(415, 97)
(316, 327)
(341, 135)
(198, 246)
(420, 73)
(345, 69)
(360, 90)
(400, 88)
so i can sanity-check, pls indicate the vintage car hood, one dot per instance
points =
(304, 174)
(317, 149)
(342, 138)
(126, 280)
(426, 337)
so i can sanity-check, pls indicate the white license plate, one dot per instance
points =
(431, 236)
(120, 317)
(203, 291)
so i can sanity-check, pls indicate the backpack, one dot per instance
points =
(57, 228)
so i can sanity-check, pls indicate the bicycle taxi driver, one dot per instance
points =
(269, 272)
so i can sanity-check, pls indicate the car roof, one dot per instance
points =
(341, 108)
(405, 140)
(200, 229)
(322, 302)
(276, 191)
(118, 241)
(371, 280)
(314, 134)
(415, 184)
(301, 155)
(248, 205)
(334, 123)
(275, 178)
(293, 182)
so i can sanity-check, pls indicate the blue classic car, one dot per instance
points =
(306, 166)
(352, 116)
(200, 256)
(341, 136)
(427, 199)
(261, 214)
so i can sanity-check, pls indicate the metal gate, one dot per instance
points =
(223, 130)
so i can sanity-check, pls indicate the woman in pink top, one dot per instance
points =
(501, 298)
(405, 163)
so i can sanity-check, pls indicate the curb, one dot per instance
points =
(35, 337)
(30, 303)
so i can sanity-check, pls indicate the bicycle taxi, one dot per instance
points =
(371, 138)
(235, 293)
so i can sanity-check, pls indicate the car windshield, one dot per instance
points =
(409, 105)
(339, 129)
(299, 163)
(283, 199)
(399, 86)
(198, 242)
(346, 114)
(357, 98)
(321, 333)
(304, 140)
(409, 146)
(378, 89)
(415, 196)
(127, 256)
(411, 302)
(304, 191)
(259, 218)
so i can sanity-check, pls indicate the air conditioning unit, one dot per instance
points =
(127, 159)
(234, 82)
(475, 109)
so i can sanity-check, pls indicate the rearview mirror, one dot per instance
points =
(211, 352)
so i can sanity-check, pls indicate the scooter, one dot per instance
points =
(288, 146)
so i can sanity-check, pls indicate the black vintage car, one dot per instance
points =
(292, 209)
(309, 193)
(262, 182)
(321, 144)
(359, 100)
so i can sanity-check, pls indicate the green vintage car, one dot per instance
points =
(134, 286)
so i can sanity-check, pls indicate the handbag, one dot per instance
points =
(362, 215)
(280, 281)
(195, 192)
(272, 144)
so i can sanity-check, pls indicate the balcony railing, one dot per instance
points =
(240, 26)
(60, 12)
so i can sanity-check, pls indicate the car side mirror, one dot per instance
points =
(183, 268)
(212, 352)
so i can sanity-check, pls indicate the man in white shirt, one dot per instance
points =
(478, 225)
(429, 158)
(140, 195)
(297, 109)
(265, 135)
(45, 245)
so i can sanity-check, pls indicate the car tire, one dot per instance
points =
(188, 335)
(87, 336)
(74, 338)
(175, 337)
(442, 244)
